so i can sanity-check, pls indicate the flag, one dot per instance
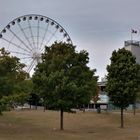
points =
(133, 31)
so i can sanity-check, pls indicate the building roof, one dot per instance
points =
(131, 42)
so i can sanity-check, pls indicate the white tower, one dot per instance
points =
(134, 47)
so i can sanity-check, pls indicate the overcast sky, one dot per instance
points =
(98, 26)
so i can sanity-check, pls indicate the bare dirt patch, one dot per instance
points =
(39, 125)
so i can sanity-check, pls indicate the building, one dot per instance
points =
(134, 47)
(102, 99)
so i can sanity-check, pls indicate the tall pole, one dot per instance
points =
(131, 35)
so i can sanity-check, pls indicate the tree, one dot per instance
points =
(137, 94)
(63, 79)
(33, 99)
(23, 90)
(11, 75)
(122, 79)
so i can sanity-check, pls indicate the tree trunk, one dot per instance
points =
(122, 121)
(134, 109)
(94, 106)
(36, 106)
(61, 119)
(30, 106)
(44, 108)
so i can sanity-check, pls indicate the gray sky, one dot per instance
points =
(98, 26)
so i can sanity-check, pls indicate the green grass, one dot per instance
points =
(39, 125)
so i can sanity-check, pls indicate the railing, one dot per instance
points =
(132, 42)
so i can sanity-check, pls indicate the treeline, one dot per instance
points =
(63, 81)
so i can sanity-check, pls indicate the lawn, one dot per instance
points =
(39, 125)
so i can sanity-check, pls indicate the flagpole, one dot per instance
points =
(131, 36)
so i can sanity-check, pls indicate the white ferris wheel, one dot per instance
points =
(26, 37)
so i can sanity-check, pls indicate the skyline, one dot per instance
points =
(93, 25)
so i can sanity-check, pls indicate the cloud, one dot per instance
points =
(100, 26)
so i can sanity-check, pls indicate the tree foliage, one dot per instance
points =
(122, 79)
(11, 77)
(63, 79)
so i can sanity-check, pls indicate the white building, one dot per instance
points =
(134, 47)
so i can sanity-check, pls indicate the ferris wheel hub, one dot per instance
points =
(36, 56)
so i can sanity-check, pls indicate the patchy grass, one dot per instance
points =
(39, 125)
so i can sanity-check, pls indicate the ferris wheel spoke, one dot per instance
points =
(25, 36)
(31, 32)
(20, 40)
(31, 65)
(20, 53)
(37, 33)
(53, 34)
(26, 57)
(62, 38)
(17, 46)
(44, 36)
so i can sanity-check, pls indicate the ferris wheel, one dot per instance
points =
(26, 37)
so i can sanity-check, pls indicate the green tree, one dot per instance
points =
(137, 95)
(11, 74)
(122, 79)
(34, 99)
(63, 79)
(22, 92)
